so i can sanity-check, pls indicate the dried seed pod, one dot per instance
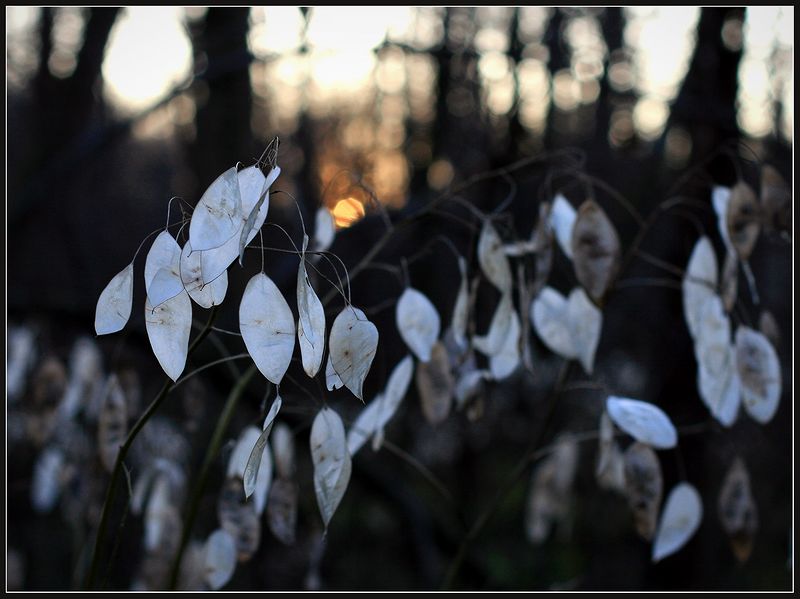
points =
(643, 487)
(435, 385)
(742, 219)
(331, 459)
(49, 383)
(595, 249)
(738, 512)
(759, 372)
(282, 510)
(492, 258)
(610, 469)
(683, 512)
(239, 518)
(550, 491)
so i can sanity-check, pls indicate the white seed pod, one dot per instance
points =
(759, 373)
(218, 215)
(46, 483)
(282, 510)
(204, 290)
(494, 339)
(717, 380)
(549, 496)
(219, 559)
(568, 327)
(743, 219)
(311, 321)
(507, 359)
(469, 385)
(251, 469)
(721, 199)
(331, 461)
(492, 259)
(738, 512)
(267, 326)
(699, 284)
(168, 328)
(324, 230)
(680, 519)
(352, 346)
(562, 221)
(283, 450)
(253, 184)
(20, 359)
(418, 323)
(643, 421)
(162, 276)
(393, 394)
(115, 303)
(159, 513)
(644, 486)
(768, 326)
(458, 324)
(595, 249)
(85, 374)
(364, 426)
(112, 424)
(435, 385)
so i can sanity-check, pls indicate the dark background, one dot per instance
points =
(87, 180)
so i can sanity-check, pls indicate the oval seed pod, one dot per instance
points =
(112, 424)
(311, 321)
(393, 394)
(643, 421)
(332, 380)
(492, 258)
(218, 215)
(699, 283)
(562, 221)
(680, 519)
(324, 230)
(238, 517)
(418, 323)
(507, 359)
(283, 450)
(267, 326)
(352, 346)
(738, 512)
(759, 373)
(162, 277)
(550, 492)
(610, 469)
(115, 302)
(168, 328)
(717, 379)
(643, 487)
(282, 510)
(595, 249)
(331, 461)
(250, 179)
(435, 385)
(491, 343)
(220, 559)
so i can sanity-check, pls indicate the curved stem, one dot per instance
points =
(123, 452)
(211, 455)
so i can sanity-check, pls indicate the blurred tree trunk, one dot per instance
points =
(558, 59)
(223, 94)
(706, 103)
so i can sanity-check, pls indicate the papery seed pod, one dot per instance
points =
(738, 512)
(729, 281)
(492, 259)
(743, 219)
(680, 519)
(112, 424)
(759, 372)
(239, 518)
(595, 249)
(435, 385)
(776, 200)
(282, 510)
(768, 327)
(643, 487)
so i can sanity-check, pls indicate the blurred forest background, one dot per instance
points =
(111, 112)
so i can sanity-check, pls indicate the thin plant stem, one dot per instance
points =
(123, 452)
(214, 445)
